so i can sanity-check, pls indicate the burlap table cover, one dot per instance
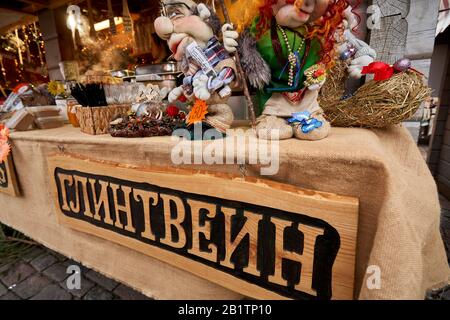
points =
(398, 223)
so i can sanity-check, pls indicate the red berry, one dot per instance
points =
(172, 111)
(319, 73)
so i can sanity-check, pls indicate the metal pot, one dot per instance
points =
(163, 75)
(162, 80)
(159, 68)
(122, 73)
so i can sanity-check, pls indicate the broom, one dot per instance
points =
(250, 106)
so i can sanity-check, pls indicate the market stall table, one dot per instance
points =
(399, 213)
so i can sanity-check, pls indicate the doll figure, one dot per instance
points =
(299, 42)
(191, 31)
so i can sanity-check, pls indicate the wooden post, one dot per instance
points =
(57, 40)
(112, 23)
(91, 19)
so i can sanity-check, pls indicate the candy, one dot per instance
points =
(345, 55)
(402, 65)
(352, 51)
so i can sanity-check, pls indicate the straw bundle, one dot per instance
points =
(376, 104)
(95, 120)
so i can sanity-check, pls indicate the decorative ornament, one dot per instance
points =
(384, 71)
(348, 54)
(317, 74)
(381, 70)
(352, 50)
(375, 104)
(198, 112)
(403, 65)
(345, 55)
(306, 121)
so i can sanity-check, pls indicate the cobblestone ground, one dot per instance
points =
(42, 275)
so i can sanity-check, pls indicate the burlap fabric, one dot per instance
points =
(398, 223)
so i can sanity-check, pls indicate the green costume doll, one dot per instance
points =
(286, 53)
(287, 106)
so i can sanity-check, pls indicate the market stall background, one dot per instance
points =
(26, 25)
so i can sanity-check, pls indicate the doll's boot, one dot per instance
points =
(313, 133)
(220, 116)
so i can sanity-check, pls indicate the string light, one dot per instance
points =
(19, 47)
(19, 42)
(3, 68)
(27, 43)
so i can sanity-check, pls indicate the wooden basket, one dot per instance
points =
(95, 121)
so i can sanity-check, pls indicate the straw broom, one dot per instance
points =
(250, 106)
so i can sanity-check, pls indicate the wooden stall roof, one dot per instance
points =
(15, 13)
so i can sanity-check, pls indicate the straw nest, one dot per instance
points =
(376, 104)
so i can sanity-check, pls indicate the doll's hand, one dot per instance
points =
(203, 11)
(230, 37)
(175, 94)
(357, 65)
(200, 85)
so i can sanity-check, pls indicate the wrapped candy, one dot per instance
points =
(402, 65)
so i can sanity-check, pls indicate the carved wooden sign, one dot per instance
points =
(8, 180)
(260, 238)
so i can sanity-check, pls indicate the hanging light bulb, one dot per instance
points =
(77, 22)
(71, 22)
(73, 12)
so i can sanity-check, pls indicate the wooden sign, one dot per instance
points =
(8, 179)
(262, 239)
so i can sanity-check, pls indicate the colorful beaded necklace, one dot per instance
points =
(292, 57)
